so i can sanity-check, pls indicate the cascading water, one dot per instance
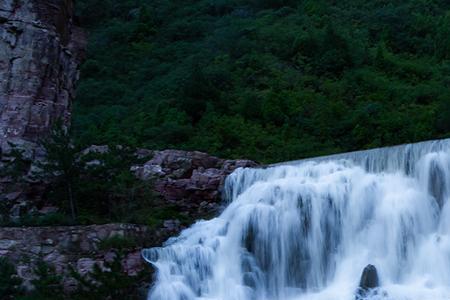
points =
(307, 229)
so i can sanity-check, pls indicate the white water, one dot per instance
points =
(306, 230)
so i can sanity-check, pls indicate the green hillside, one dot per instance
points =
(269, 80)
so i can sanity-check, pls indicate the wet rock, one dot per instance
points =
(436, 183)
(369, 278)
(368, 283)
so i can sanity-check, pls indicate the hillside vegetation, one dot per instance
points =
(269, 80)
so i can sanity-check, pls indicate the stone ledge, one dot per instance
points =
(78, 246)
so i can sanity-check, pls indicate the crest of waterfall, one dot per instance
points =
(306, 230)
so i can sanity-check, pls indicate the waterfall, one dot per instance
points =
(305, 230)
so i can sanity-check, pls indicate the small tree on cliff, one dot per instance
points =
(62, 165)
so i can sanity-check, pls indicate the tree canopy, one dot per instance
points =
(269, 80)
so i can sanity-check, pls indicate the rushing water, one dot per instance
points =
(306, 230)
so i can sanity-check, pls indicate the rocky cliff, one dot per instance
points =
(191, 180)
(40, 51)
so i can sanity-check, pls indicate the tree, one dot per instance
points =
(61, 165)
(47, 285)
(16, 165)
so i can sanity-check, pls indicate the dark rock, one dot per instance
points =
(369, 278)
(368, 283)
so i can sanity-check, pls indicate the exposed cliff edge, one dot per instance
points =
(40, 52)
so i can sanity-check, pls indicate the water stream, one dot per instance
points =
(307, 229)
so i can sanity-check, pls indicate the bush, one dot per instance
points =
(109, 282)
(10, 283)
(47, 285)
(117, 242)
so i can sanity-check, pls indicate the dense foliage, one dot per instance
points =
(86, 185)
(270, 80)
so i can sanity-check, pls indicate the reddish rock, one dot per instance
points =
(188, 179)
(40, 51)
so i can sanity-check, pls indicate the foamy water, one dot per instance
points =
(306, 230)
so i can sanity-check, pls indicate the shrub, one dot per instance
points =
(117, 242)
(109, 282)
(10, 283)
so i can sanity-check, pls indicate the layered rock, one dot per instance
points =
(40, 51)
(191, 180)
(76, 246)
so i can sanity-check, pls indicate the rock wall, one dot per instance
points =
(40, 51)
(73, 245)
(191, 180)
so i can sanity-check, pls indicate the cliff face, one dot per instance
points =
(40, 50)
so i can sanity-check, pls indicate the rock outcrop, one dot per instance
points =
(368, 283)
(40, 51)
(191, 180)
(76, 246)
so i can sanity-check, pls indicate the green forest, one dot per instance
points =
(269, 80)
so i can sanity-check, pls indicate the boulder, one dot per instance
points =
(190, 179)
(368, 283)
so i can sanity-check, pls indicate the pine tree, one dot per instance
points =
(62, 165)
